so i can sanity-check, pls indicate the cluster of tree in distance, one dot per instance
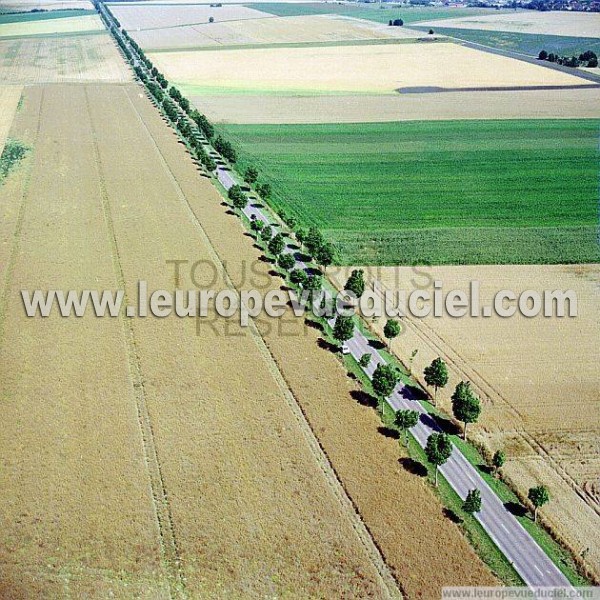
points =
(585, 59)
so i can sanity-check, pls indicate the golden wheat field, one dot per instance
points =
(538, 379)
(353, 69)
(141, 469)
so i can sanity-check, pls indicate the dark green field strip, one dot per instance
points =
(409, 14)
(43, 16)
(445, 192)
(524, 43)
(467, 245)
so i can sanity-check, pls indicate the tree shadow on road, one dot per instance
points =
(516, 509)
(445, 424)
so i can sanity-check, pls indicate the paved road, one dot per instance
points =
(528, 559)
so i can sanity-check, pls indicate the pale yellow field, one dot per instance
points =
(353, 69)
(578, 24)
(52, 26)
(529, 104)
(62, 60)
(538, 379)
(277, 30)
(9, 100)
(140, 16)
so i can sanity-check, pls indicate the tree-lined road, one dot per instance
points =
(528, 559)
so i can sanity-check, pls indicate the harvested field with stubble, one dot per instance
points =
(530, 104)
(379, 69)
(538, 379)
(74, 59)
(576, 24)
(142, 16)
(9, 100)
(319, 29)
(143, 467)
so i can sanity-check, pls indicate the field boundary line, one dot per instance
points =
(373, 551)
(170, 554)
(19, 224)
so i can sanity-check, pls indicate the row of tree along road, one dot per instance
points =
(199, 135)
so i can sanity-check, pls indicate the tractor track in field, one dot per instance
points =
(170, 553)
(392, 586)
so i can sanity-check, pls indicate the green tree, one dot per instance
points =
(301, 235)
(392, 329)
(324, 255)
(438, 451)
(315, 283)
(266, 234)
(235, 191)
(299, 277)
(436, 376)
(343, 329)
(264, 190)
(256, 225)
(365, 360)
(406, 420)
(385, 379)
(356, 283)
(313, 240)
(277, 244)
(538, 496)
(465, 405)
(240, 201)
(251, 175)
(472, 503)
(498, 460)
(286, 261)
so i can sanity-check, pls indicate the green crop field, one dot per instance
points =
(26, 17)
(455, 192)
(525, 43)
(409, 14)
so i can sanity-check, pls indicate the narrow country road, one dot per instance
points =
(528, 559)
